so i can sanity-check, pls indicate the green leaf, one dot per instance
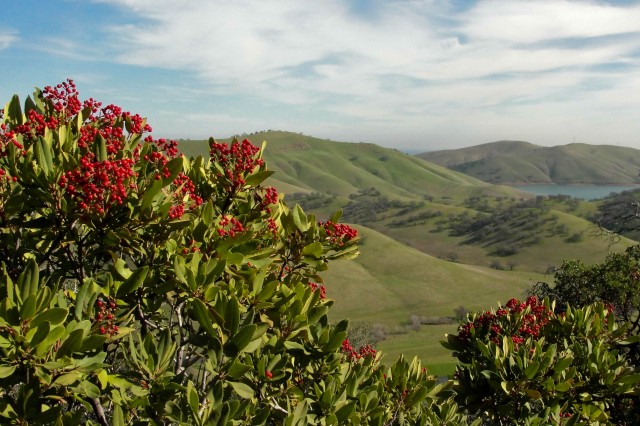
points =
(29, 279)
(313, 249)
(335, 342)
(244, 391)
(418, 395)
(336, 216)
(30, 105)
(100, 145)
(28, 309)
(258, 177)
(53, 316)
(234, 258)
(562, 364)
(150, 194)
(300, 219)
(207, 213)
(80, 297)
(42, 331)
(41, 156)
(67, 379)
(95, 341)
(121, 268)
(532, 393)
(86, 388)
(192, 399)
(118, 416)
(232, 315)
(242, 338)
(507, 387)
(6, 371)
(531, 370)
(238, 370)
(54, 335)
(631, 379)
(71, 344)
(133, 282)
(13, 110)
(201, 313)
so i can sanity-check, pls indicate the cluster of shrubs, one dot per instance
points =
(138, 286)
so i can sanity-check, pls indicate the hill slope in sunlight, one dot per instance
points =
(513, 162)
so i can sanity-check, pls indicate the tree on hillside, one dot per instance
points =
(616, 281)
(619, 214)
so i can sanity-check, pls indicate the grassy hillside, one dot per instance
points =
(511, 162)
(316, 165)
(389, 282)
(432, 237)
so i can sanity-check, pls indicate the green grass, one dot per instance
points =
(423, 343)
(389, 281)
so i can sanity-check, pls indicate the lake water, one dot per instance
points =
(586, 192)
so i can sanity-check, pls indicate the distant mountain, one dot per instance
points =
(516, 162)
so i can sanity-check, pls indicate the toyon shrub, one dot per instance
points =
(138, 286)
(525, 364)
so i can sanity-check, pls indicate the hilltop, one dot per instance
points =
(517, 162)
(305, 164)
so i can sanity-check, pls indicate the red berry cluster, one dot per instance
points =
(229, 226)
(269, 197)
(321, 288)
(98, 185)
(237, 160)
(338, 233)
(509, 321)
(105, 318)
(365, 351)
(272, 226)
(184, 189)
(64, 98)
(7, 138)
(36, 124)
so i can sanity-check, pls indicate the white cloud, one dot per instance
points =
(418, 64)
(537, 20)
(7, 38)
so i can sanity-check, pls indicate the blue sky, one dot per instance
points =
(411, 74)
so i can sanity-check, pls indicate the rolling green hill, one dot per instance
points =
(389, 282)
(307, 164)
(514, 162)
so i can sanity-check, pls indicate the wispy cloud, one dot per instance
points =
(7, 38)
(420, 64)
